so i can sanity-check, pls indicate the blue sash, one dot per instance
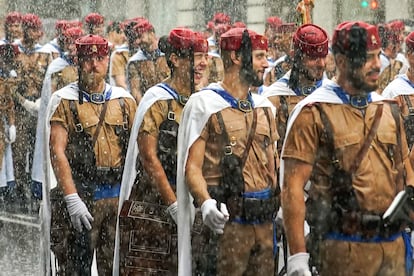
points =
(103, 191)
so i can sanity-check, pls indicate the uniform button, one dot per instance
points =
(87, 124)
(105, 152)
(102, 137)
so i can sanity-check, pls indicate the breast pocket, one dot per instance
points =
(236, 132)
(347, 147)
(115, 119)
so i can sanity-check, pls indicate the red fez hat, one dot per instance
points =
(184, 39)
(9, 49)
(74, 24)
(13, 17)
(239, 24)
(221, 29)
(311, 40)
(61, 26)
(221, 18)
(31, 20)
(397, 25)
(273, 21)
(142, 27)
(341, 34)
(409, 41)
(285, 28)
(232, 39)
(94, 19)
(92, 45)
(72, 34)
(390, 34)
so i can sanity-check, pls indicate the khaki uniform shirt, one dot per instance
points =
(119, 62)
(256, 171)
(147, 74)
(107, 148)
(157, 114)
(375, 180)
(62, 78)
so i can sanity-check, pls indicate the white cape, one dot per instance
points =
(152, 95)
(69, 92)
(56, 65)
(397, 87)
(196, 113)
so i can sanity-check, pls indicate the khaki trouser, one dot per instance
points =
(246, 249)
(356, 258)
(101, 238)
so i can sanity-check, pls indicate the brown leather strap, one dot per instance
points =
(250, 138)
(368, 139)
(101, 119)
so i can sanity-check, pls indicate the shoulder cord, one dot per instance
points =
(399, 159)
(409, 104)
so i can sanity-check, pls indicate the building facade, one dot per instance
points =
(166, 14)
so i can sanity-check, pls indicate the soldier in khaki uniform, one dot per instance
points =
(29, 87)
(226, 150)
(89, 129)
(121, 55)
(402, 89)
(310, 46)
(148, 66)
(390, 65)
(156, 124)
(350, 143)
(61, 71)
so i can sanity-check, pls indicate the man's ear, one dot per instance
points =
(235, 58)
(340, 60)
(174, 59)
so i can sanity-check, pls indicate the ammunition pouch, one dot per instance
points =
(252, 210)
(108, 175)
(81, 157)
(167, 145)
(248, 209)
(232, 180)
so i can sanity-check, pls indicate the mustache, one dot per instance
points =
(375, 71)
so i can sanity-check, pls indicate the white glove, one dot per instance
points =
(214, 218)
(172, 210)
(11, 137)
(298, 265)
(79, 214)
(32, 106)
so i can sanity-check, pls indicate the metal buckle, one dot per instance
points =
(78, 127)
(307, 90)
(171, 116)
(359, 101)
(182, 99)
(103, 169)
(97, 98)
(228, 150)
(244, 105)
(125, 123)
